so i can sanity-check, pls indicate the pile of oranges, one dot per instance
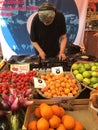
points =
(53, 117)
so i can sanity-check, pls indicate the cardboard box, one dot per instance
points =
(78, 108)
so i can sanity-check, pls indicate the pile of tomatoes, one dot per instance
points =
(20, 81)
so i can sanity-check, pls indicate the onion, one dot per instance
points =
(15, 106)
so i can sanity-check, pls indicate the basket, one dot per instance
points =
(86, 85)
(80, 89)
(5, 67)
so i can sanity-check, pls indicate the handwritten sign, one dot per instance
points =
(20, 68)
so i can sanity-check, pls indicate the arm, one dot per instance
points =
(39, 49)
(63, 40)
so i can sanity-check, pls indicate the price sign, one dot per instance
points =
(57, 70)
(20, 68)
(39, 83)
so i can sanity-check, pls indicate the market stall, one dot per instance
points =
(73, 102)
(48, 94)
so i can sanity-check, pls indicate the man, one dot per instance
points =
(48, 32)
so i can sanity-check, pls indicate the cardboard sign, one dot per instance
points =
(39, 83)
(20, 68)
(57, 70)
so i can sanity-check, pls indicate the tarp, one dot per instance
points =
(15, 14)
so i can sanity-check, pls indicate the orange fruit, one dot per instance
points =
(74, 92)
(68, 121)
(42, 124)
(63, 117)
(61, 127)
(32, 125)
(78, 126)
(56, 110)
(62, 111)
(51, 129)
(41, 105)
(46, 112)
(70, 94)
(54, 121)
(37, 112)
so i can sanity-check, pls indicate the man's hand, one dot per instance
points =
(96, 34)
(62, 56)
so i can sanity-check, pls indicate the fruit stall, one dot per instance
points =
(49, 94)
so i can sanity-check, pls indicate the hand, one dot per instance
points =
(42, 55)
(96, 34)
(62, 56)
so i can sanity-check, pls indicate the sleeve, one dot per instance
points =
(32, 30)
(63, 25)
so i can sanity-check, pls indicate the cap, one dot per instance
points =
(46, 15)
(46, 11)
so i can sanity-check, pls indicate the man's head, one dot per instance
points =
(46, 13)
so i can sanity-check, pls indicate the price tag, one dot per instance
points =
(20, 68)
(39, 83)
(57, 70)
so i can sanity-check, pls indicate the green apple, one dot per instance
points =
(94, 80)
(75, 66)
(94, 68)
(86, 81)
(96, 63)
(86, 74)
(87, 66)
(94, 74)
(75, 72)
(81, 70)
(92, 64)
(95, 85)
(80, 65)
(79, 77)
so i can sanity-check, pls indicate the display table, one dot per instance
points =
(91, 42)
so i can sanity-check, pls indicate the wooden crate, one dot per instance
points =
(78, 109)
(94, 111)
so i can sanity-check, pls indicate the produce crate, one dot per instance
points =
(78, 109)
(94, 111)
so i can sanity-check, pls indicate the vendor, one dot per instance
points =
(48, 32)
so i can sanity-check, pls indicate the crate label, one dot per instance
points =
(61, 99)
(65, 102)
(57, 70)
(20, 68)
(39, 83)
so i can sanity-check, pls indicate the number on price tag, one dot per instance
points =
(20, 68)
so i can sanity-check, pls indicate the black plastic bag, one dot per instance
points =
(72, 49)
